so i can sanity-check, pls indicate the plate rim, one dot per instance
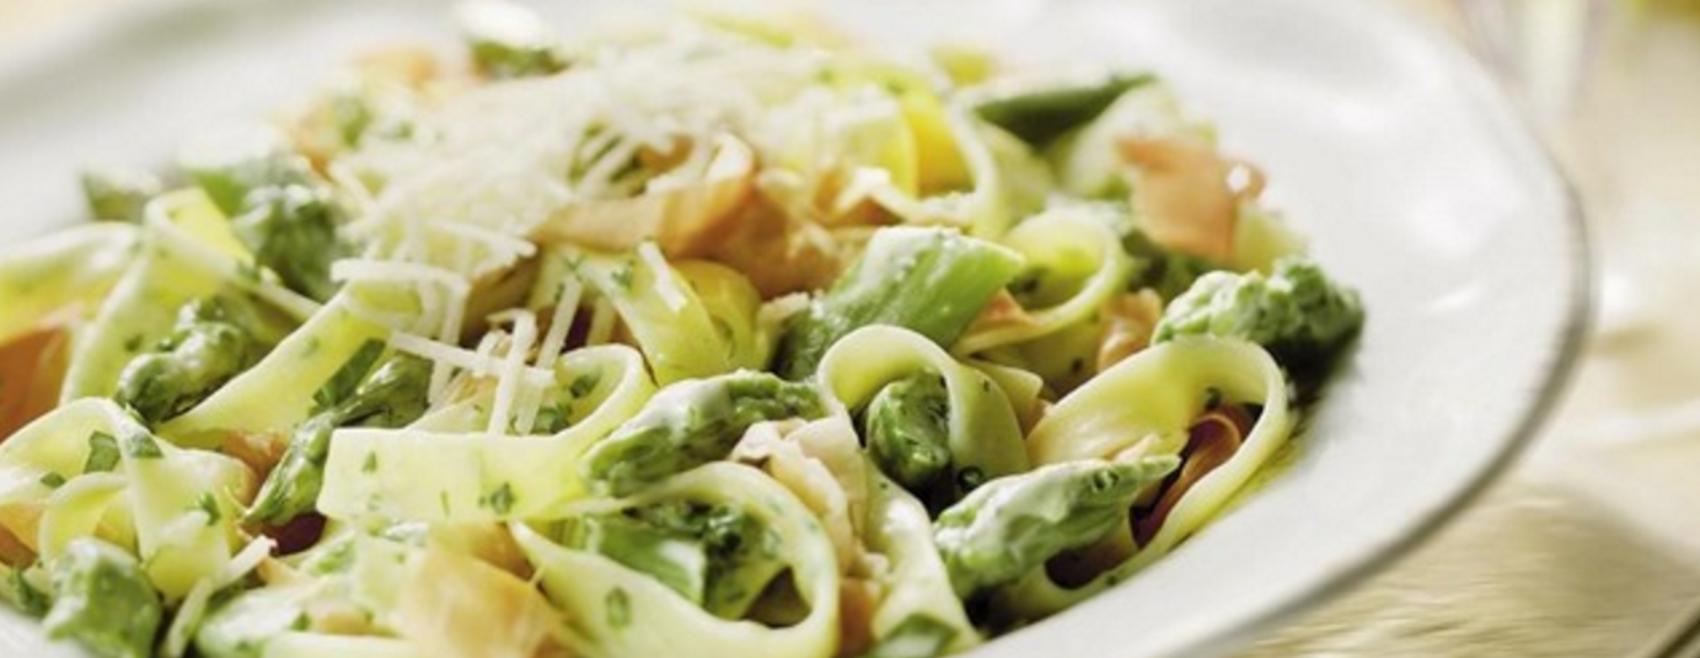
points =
(1513, 125)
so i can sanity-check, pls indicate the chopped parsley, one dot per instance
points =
(103, 453)
(584, 383)
(619, 607)
(141, 445)
(207, 504)
(500, 501)
(623, 276)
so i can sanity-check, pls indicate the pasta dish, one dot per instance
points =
(712, 336)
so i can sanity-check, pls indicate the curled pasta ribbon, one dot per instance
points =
(984, 432)
(1067, 242)
(1007, 181)
(73, 268)
(1148, 405)
(445, 469)
(626, 613)
(277, 393)
(916, 582)
(693, 320)
(174, 508)
(184, 258)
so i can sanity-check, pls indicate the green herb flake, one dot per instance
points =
(338, 558)
(619, 606)
(371, 463)
(1212, 398)
(103, 453)
(500, 501)
(141, 445)
(584, 383)
(52, 480)
(207, 504)
(624, 276)
(550, 419)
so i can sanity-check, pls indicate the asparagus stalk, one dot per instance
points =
(692, 423)
(103, 600)
(1014, 524)
(932, 281)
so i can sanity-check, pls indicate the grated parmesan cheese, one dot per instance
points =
(666, 285)
(512, 374)
(479, 365)
(561, 322)
(458, 197)
(194, 607)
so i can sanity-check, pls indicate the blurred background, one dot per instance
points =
(1591, 546)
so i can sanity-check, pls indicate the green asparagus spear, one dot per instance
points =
(717, 556)
(103, 600)
(503, 60)
(1038, 117)
(1012, 525)
(281, 208)
(1167, 272)
(119, 195)
(292, 487)
(392, 396)
(692, 423)
(1298, 313)
(932, 281)
(509, 41)
(229, 169)
(291, 229)
(208, 348)
(908, 430)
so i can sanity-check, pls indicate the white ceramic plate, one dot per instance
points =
(1384, 143)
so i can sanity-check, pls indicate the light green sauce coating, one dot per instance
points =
(1014, 524)
(908, 430)
(1297, 313)
(692, 423)
(102, 599)
(210, 346)
(717, 556)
